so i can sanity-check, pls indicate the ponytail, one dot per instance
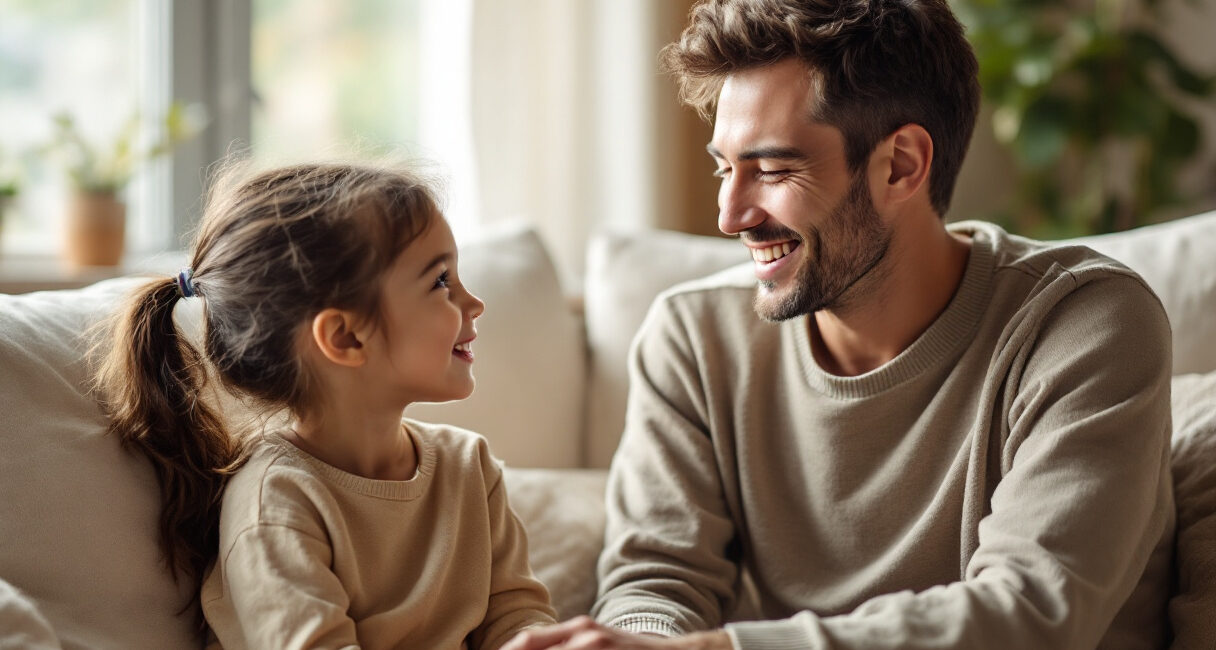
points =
(151, 381)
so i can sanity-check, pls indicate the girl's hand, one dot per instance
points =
(582, 633)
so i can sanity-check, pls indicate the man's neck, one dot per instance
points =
(885, 315)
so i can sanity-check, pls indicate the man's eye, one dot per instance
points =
(721, 173)
(442, 281)
(773, 174)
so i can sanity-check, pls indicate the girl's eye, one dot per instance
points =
(442, 281)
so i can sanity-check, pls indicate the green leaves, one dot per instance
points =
(110, 168)
(1089, 107)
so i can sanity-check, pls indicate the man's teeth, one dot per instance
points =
(463, 347)
(771, 253)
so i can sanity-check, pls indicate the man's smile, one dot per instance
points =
(771, 258)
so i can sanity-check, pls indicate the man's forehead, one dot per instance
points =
(767, 108)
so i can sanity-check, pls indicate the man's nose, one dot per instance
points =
(737, 210)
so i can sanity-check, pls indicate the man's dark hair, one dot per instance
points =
(875, 65)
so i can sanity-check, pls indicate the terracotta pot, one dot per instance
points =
(96, 229)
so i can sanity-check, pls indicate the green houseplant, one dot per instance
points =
(1090, 101)
(96, 218)
(10, 185)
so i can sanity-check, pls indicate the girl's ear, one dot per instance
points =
(333, 332)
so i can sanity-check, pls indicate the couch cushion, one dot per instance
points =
(530, 354)
(563, 512)
(625, 271)
(1194, 466)
(78, 517)
(1176, 260)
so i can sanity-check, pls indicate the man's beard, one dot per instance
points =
(851, 242)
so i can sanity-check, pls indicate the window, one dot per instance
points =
(288, 78)
(331, 76)
(88, 60)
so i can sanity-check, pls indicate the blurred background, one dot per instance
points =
(1098, 115)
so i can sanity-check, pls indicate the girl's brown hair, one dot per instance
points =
(272, 251)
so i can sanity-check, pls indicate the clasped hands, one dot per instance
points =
(583, 633)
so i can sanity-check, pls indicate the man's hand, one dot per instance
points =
(582, 633)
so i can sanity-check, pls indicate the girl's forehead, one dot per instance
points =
(433, 246)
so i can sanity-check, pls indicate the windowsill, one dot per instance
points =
(26, 273)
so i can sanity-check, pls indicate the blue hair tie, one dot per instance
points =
(185, 283)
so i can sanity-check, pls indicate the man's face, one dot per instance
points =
(787, 192)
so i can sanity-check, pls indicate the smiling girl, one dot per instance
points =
(330, 292)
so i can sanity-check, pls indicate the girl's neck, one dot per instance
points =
(376, 448)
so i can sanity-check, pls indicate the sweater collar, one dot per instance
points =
(950, 333)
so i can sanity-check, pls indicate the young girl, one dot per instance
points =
(330, 291)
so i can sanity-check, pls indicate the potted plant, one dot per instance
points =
(1092, 104)
(96, 214)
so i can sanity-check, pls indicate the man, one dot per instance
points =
(930, 436)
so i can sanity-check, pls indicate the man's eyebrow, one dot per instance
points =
(438, 259)
(765, 153)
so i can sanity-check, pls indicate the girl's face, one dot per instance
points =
(424, 343)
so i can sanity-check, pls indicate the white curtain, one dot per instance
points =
(561, 116)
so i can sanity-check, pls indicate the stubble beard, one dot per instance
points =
(851, 243)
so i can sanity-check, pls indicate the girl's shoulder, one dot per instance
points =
(454, 448)
(275, 485)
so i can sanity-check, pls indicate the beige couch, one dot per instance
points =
(78, 561)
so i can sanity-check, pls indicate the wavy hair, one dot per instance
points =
(875, 65)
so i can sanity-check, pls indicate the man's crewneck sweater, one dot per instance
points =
(1002, 483)
(314, 557)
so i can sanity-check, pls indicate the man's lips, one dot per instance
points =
(771, 257)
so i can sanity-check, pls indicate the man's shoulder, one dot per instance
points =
(730, 285)
(1042, 259)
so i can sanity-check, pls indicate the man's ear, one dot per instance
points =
(334, 334)
(905, 158)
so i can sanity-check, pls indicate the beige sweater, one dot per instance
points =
(1002, 483)
(314, 557)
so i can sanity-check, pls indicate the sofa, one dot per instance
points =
(79, 566)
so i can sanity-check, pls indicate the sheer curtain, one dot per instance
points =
(570, 125)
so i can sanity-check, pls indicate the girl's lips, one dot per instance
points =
(464, 351)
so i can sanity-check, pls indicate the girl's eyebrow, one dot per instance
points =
(439, 259)
(767, 153)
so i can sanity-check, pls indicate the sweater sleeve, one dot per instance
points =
(665, 568)
(517, 599)
(278, 592)
(1077, 512)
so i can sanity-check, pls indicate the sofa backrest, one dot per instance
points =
(627, 270)
(78, 514)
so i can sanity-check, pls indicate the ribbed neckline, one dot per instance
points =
(393, 490)
(952, 330)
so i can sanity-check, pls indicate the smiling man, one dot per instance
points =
(886, 432)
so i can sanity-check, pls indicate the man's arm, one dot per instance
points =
(664, 569)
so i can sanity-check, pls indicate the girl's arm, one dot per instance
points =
(274, 589)
(517, 599)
